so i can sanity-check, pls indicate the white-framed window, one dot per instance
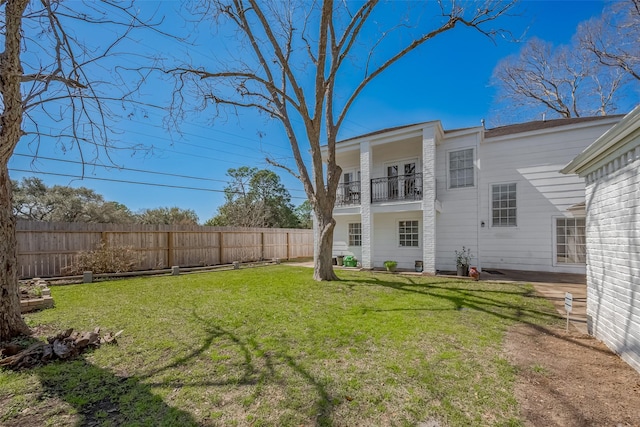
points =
(408, 234)
(503, 205)
(461, 171)
(355, 234)
(571, 247)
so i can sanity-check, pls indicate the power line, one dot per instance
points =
(117, 180)
(151, 184)
(119, 168)
(131, 169)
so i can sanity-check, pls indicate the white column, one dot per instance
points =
(429, 199)
(366, 218)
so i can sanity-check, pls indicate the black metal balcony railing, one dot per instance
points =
(348, 194)
(402, 187)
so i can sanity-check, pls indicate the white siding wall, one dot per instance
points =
(457, 223)
(613, 251)
(386, 241)
(543, 194)
(341, 237)
(408, 149)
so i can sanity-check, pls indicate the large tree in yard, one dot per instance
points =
(53, 88)
(295, 61)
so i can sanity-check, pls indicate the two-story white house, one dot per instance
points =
(421, 192)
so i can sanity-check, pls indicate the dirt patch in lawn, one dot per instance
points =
(571, 379)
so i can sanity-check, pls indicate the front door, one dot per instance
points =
(401, 186)
(409, 180)
(392, 182)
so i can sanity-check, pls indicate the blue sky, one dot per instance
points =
(448, 79)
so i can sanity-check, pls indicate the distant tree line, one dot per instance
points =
(255, 198)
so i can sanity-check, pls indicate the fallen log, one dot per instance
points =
(64, 346)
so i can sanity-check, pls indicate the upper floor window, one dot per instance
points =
(408, 233)
(461, 168)
(503, 205)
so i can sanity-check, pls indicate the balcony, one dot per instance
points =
(387, 189)
(396, 188)
(348, 194)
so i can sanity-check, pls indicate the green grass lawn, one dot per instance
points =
(269, 346)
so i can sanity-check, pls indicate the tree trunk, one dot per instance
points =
(11, 323)
(323, 260)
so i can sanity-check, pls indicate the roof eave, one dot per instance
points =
(605, 143)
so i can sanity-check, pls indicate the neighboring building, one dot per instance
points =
(611, 168)
(420, 192)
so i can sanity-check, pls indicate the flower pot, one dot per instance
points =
(419, 266)
(463, 270)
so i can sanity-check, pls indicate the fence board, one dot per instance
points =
(45, 249)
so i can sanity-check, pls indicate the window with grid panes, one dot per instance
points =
(461, 168)
(408, 233)
(355, 234)
(503, 205)
(571, 241)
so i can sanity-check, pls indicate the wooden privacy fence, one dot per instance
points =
(45, 249)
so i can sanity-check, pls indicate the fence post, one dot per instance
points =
(262, 245)
(220, 248)
(170, 249)
(288, 246)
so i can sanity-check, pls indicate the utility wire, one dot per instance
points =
(151, 184)
(131, 169)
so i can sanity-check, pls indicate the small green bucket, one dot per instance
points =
(350, 261)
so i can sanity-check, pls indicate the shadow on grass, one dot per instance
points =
(475, 296)
(100, 397)
(257, 366)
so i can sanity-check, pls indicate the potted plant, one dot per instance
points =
(463, 259)
(390, 265)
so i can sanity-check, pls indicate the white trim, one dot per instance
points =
(554, 241)
(503, 227)
(397, 232)
(403, 161)
(349, 245)
(604, 146)
(474, 166)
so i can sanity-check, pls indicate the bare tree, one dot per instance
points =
(564, 81)
(293, 61)
(53, 87)
(588, 77)
(614, 37)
